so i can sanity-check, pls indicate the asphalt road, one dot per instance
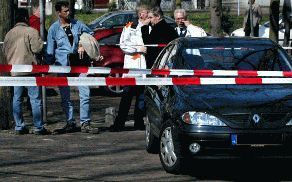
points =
(111, 156)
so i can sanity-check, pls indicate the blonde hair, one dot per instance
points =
(141, 8)
(182, 11)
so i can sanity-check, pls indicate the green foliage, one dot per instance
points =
(202, 19)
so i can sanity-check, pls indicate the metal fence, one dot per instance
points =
(167, 5)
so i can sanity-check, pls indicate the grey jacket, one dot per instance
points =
(20, 45)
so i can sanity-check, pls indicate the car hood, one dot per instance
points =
(226, 99)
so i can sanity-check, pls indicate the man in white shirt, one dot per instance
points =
(184, 27)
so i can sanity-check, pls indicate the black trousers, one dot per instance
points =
(125, 104)
(247, 31)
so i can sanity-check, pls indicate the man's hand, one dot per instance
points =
(81, 51)
(143, 49)
(146, 21)
(187, 23)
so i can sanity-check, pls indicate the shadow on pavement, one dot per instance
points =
(241, 169)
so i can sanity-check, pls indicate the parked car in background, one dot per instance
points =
(216, 121)
(119, 18)
(264, 31)
(113, 57)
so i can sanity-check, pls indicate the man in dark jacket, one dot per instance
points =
(161, 33)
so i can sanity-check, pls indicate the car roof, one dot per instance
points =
(223, 40)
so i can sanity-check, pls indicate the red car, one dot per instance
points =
(113, 56)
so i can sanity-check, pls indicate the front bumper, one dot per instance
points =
(221, 142)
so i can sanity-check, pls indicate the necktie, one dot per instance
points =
(181, 33)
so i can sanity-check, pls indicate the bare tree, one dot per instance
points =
(6, 22)
(287, 10)
(274, 20)
(216, 15)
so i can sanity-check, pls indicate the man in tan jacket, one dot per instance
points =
(20, 45)
(256, 12)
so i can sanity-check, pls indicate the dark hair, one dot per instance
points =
(21, 15)
(60, 4)
(34, 3)
(156, 11)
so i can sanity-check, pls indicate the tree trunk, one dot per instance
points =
(216, 14)
(286, 19)
(274, 20)
(6, 23)
(150, 3)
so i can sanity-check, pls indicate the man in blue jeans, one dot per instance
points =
(21, 44)
(63, 44)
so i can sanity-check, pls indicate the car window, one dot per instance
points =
(171, 58)
(162, 58)
(257, 58)
(116, 20)
(111, 40)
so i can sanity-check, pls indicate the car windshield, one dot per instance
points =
(95, 22)
(252, 57)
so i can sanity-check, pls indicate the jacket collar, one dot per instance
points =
(21, 24)
(72, 21)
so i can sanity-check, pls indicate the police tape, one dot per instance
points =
(165, 72)
(101, 81)
(104, 44)
(164, 45)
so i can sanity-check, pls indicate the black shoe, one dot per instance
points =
(68, 128)
(87, 128)
(44, 131)
(115, 128)
(22, 131)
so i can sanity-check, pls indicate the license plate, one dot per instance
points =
(256, 139)
(233, 139)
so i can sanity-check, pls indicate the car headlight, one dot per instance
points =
(201, 119)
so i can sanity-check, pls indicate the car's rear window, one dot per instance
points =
(264, 58)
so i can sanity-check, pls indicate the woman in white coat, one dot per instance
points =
(131, 43)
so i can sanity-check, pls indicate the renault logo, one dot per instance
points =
(256, 118)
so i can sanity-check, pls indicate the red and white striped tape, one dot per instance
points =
(168, 72)
(145, 45)
(160, 45)
(100, 81)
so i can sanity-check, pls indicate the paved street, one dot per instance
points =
(111, 156)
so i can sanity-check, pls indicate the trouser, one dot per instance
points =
(84, 95)
(125, 104)
(255, 31)
(36, 105)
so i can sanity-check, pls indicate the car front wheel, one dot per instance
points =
(170, 151)
(152, 143)
(115, 90)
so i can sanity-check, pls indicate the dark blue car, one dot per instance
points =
(221, 120)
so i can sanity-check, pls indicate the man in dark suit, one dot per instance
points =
(161, 33)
